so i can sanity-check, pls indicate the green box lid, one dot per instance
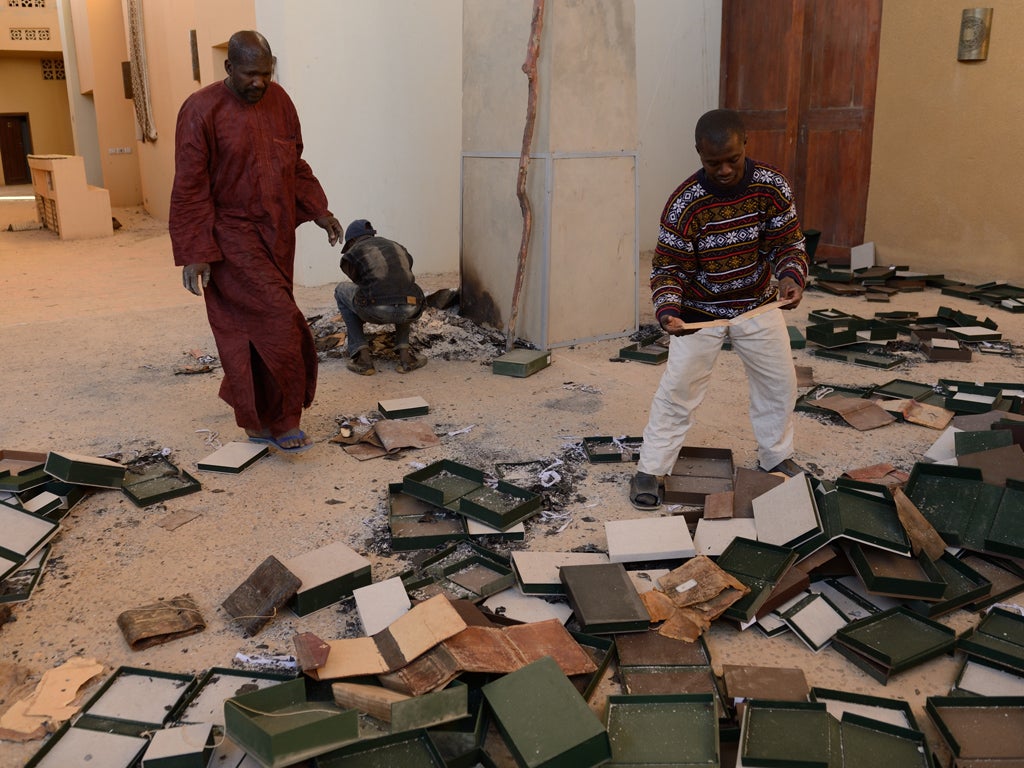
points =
(544, 720)
(84, 470)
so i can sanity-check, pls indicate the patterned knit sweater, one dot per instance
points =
(718, 248)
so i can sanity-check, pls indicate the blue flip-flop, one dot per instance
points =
(298, 449)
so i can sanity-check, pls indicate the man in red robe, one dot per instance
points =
(240, 189)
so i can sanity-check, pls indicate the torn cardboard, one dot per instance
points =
(858, 412)
(50, 704)
(390, 436)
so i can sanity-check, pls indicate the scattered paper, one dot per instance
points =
(50, 704)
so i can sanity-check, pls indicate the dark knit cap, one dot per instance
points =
(355, 230)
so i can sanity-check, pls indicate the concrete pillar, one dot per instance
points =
(581, 280)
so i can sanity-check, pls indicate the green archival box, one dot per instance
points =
(601, 449)
(328, 575)
(785, 734)
(155, 481)
(759, 566)
(604, 599)
(32, 478)
(882, 709)
(277, 726)
(233, 457)
(403, 407)
(417, 524)
(964, 585)
(679, 730)
(998, 638)
(521, 363)
(25, 533)
(84, 470)
(77, 747)
(409, 749)
(501, 507)
(978, 729)
(867, 743)
(134, 701)
(20, 462)
(889, 573)
(891, 641)
(653, 354)
(544, 720)
(442, 482)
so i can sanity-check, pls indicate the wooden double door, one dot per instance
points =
(802, 73)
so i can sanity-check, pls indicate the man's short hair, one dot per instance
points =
(716, 127)
(247, 45)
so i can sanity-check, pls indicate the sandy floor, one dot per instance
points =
(92, 332)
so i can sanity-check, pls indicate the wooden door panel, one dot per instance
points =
(839, 38)
(759, 74)
(802, 73)
(831, 204)
(837, 120)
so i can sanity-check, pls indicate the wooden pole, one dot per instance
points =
(530, 68)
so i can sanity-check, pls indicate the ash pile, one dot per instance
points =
(440, 333)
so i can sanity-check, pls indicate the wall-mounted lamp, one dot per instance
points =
(975, 27)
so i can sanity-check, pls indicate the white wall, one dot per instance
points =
(378, 86)
(677, 62)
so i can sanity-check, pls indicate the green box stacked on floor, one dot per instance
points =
(85, 470)
(277, 726)
(328, 575)
(652, 354)
(521, 363)
(545, 721)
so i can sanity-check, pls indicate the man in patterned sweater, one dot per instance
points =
(730, 242)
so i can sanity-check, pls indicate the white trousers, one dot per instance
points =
(762, 342)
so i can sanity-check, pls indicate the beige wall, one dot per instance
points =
(947, 144)
(100, 48)
(169, 57)
(36, 29)
(677, 64)
(22, 87)
(144, 175)
(24, 91)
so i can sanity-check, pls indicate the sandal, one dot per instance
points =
(645, 491)
(355, 365)
(300, 448)
(418, 361)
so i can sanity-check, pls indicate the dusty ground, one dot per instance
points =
(92, 332)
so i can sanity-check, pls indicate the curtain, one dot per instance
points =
(140, 71)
